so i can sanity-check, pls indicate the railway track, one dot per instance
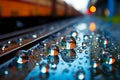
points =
(64, 50)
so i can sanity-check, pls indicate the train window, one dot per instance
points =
(14, 13)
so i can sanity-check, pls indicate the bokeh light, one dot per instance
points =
(92, 26)
(93, 9)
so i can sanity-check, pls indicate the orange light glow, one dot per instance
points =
(106, 12)
(92, 26)
(92, 8)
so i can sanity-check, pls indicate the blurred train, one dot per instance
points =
(26, 8)
(21, 14)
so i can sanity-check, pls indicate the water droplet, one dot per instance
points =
(69, 65)
(19, 41)
(85, 61)
(30, 52)
(6, 72)
(4, 48)
(68, 55)
(81, 58)
(110, 59)
(80, 74)
(37, 64)
(86, 51)
(34, 36)
(53, 50)
(84, 45)
(9, 42)
(53, 59)
(68, 42)
(22, 56)
(44, 67)
(66, 70)
(78, 39)
(86, 38)
(91, 36)
(94, 63)
(62, 63)
(79, 50)
(104, 52)
(74, 34)
(105, 43)
(53, 66)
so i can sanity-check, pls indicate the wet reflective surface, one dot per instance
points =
(81, 51)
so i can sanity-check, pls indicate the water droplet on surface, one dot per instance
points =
(105, 43)
(53, 50)
(79, 50)
(6, 72)
(69, 65)
(86, 51)
(30, 52)
(94, 63)
(81, 58)
(74, 34)
(86, 38)
(4, 48)
(68, 42)
(9, 42)
(19, 41)
(22, 56)
(34, 35)
(91, 36)
(78, 39)
(44, 67)
(104, 52)
(110, 59)
(84, 45)
(68, 55)
(53, 59)
(66, 70)
(80, 74)
(53, 66)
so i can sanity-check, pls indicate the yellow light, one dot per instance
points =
(92, 8)
(92, 26)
